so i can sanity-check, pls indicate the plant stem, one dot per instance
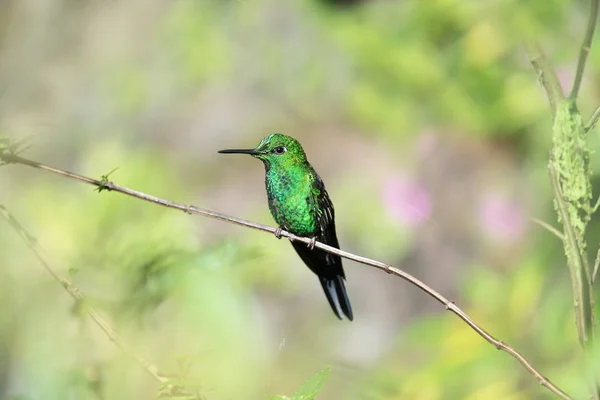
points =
(585, 48)
(573, 259)
(546, 74)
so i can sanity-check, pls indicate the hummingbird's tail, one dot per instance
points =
(335, 290)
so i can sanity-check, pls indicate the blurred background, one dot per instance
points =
(424, 119)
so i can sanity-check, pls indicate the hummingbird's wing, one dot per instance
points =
(325, 215)
(326, 265)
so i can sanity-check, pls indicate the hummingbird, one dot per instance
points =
(300, 204)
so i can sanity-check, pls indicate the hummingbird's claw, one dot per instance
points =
(277, 232)
(311, 244)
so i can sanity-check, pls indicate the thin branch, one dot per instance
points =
(549, 228)
(593, 120)
(32, 243)
(546, 74)
(104, 184)
(596, 265)
(585, 48)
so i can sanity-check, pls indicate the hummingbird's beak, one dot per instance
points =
(252, 152)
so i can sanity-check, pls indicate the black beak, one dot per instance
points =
(252, 152)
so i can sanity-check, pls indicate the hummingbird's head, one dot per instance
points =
(275, 150)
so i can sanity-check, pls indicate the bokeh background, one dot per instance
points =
(424, 119)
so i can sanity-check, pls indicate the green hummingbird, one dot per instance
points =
(300, 204)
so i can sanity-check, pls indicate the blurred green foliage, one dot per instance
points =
(452, 362)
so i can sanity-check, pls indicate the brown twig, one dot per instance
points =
(104, 184)
(32, 243)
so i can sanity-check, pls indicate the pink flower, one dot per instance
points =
(502, 218)
(406, 200)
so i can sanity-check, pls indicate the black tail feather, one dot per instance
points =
(331, 294)
(335, 291)
(343, 297)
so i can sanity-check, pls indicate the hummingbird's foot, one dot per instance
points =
(311, 244)
(277, 232)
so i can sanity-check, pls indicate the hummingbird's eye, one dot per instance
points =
(279, 150)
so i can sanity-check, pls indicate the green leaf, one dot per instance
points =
(311, 388)
(104, 180)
